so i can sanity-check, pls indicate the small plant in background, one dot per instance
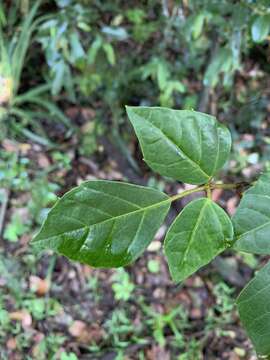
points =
(21, 110)
(153, 266)
(14, 171)
(122, 286)
(15, 228)
(110, 224)
(68, 356)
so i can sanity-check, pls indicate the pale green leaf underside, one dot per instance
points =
(104, 223)
(252, 218)
(198, 234)
(260, 28)
(254, 309)
(185, 145)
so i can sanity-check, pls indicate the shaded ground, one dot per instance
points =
(58, 309)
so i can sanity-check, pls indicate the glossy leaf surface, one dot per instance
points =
(104, 223)
(185, 145)
(198, 234)
(254, 309)
(252, 218)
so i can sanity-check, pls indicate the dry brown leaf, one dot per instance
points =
(10, 146)
(72, 112)
(12, 343)
(43, 161)
(76, 328)
(86, 334)
(38, 285)
(88, 113)
(36, 350)
(23, 316)
(157, 353)
(196, 313)
(25, 148)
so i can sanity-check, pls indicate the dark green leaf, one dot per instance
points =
(254, 309)
(104, 223)
(186, 145)
(252, 218)
(198, 234)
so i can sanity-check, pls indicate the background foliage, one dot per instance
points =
(67, 68)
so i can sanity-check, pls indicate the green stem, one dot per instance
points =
(186, 193)
(225, 186)
(207, 188)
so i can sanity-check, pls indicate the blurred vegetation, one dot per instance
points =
(67, 68)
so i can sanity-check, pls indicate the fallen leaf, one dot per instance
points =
(196, 313)
(36, 349)
(77, 328)
(12, 343)
(43, 161)
(10, 146)
(38, 285)
(23, 316)
(86, 334)
(88, 113)
(157, 353)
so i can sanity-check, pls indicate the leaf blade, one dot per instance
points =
(253, 307)
(104, 223)
(252, 218)
(260, 28)
(191, 230)
(186, 145)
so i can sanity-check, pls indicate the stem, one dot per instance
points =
(208, 192)
(225, 186)
(186, 193)
(207, 188)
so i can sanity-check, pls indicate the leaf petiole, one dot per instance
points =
(207, 188)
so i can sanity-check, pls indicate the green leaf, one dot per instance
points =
(109, 51)
(76, 51)
(59, 76)
(93, 50)
(254, 309)
(185, 145)
(198, 234)
(197, 25)
(104, 223)
(260, 28)
(22, 45)
(15, 228)
(252, 218)
(162, 74)
(222, 63)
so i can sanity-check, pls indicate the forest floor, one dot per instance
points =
(57, 309)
